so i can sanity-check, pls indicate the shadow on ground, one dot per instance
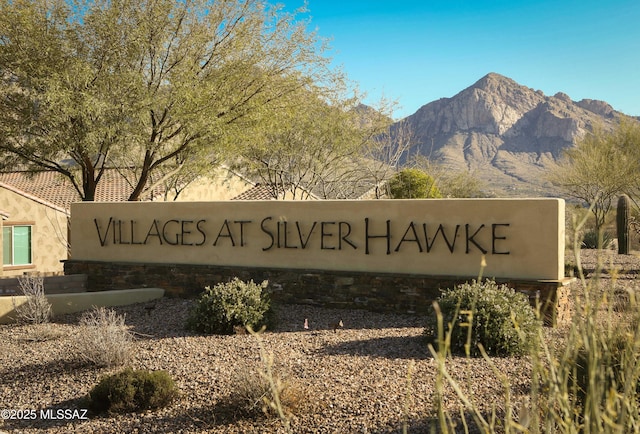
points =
(396, 347)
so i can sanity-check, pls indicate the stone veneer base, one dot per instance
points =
(376, 292)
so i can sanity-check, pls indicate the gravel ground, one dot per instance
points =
(354, 379)
(608, 259)
(371, 376)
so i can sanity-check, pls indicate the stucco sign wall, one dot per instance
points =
(520, 238)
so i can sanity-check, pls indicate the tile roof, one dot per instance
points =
(57, 190)
(258, 192)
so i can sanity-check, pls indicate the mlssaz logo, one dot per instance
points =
(63, 414)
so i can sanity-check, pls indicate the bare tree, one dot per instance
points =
(315, 151)
(383, 153)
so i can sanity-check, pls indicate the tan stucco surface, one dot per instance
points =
(219, 184)
(49, 233)
(520, 238)
(78, 302)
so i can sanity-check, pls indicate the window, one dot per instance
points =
(16, 245)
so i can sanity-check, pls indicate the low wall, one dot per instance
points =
(376, 292)
(69, 303)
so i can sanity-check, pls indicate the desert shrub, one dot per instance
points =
(571, 269)
(591, 240)
(129, 391)
(37, 309)
(593, 383)
(255, 390)
(230, 306)
(413, 184)
(495, 316)
(105, 339)
(584, 375)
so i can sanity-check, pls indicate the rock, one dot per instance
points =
(598, 107)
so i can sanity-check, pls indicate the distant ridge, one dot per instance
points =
(509, 135)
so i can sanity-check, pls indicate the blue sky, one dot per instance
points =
(418, 51)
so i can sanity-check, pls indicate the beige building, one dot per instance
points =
(35, 211)
(34, 233)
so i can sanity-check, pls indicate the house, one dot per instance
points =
(35, 211)
(34, 233)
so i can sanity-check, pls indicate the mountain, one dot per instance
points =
(507, 134)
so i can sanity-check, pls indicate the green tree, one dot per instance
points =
(602, 165)
(413, 184)
(451, 183)
(461, 184)
(627, 136)
(154, 85)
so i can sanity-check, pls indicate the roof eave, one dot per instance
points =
(33, 198)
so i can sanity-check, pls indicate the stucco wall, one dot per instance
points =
(49, 232)
(520, 238)
(221, 184)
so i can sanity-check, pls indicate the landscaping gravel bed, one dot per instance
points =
(371, 376)
(374, 375)
(607, 260)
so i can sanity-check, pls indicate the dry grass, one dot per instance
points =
(105, 340)
(254, 392)
(373, 375)
(37, 309)
(42, 332)
(267, 387)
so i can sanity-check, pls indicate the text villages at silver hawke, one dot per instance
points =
(277, 233)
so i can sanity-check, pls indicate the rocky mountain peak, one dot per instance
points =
(491, 106)
(563, 97)
(493, 82)
(507, 133)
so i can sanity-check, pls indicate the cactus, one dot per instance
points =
(622, 224)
